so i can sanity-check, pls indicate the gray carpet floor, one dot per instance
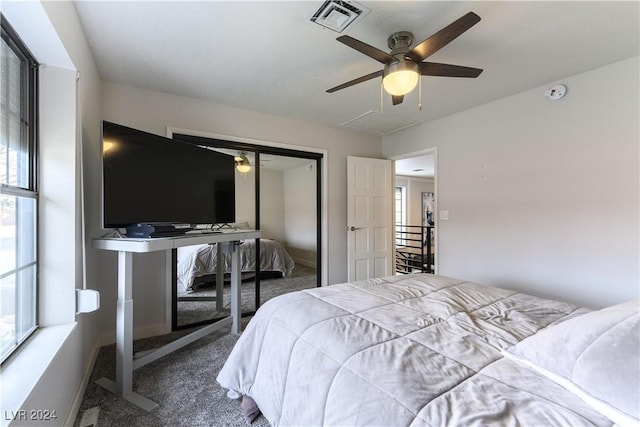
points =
(183, 382)
(193, 311)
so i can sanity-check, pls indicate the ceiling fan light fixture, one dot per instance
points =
(242, 163)
(400, 77)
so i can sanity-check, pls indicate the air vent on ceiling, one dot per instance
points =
(338, 15)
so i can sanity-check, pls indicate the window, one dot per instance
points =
(401, 215)
(18, 192)
(400, 206)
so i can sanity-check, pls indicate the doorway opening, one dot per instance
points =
(278, 191)
(415, 212)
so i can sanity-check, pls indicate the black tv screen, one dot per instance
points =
(151, 179)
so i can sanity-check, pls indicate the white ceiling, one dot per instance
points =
(267, 56)
(420, 166)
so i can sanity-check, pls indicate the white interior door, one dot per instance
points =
(369, 218)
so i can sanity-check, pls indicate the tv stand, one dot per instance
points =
(126, 361)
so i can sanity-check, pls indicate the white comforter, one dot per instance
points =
(199, 260)
(404, 350)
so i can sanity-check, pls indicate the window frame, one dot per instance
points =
(29, 118)
(403, 201)
(402, 221)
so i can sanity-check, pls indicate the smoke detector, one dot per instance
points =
(337, 15)
(556, 92)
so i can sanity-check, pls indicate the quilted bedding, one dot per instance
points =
(403, 350)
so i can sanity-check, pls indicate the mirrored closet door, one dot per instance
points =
(276, 191)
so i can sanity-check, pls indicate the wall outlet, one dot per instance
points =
(87, 300)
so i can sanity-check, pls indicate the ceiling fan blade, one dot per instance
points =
(356, 81)
(397, 99)
(446, 70)
(443, 37)
(368, 50)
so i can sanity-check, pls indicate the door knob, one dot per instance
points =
(352, 228)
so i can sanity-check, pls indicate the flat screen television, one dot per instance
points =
(149, 179)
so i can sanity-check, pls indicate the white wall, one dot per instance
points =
(272, 204)
(271, 201)
(153, 112)
(52, 32)
(300, 214)
(543, 196)
(58, 187)
(288, 208)
(246, 197)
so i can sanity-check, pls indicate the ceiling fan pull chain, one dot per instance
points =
(420, 95)
(381, 97)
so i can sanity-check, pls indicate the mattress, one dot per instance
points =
(404, 350)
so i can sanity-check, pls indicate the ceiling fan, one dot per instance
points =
(403, 66)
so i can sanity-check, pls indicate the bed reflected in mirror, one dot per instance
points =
(287, 252)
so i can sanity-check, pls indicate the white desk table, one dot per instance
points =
(126, 361)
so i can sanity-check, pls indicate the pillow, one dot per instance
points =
(596, 356)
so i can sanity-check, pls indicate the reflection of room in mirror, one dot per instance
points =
(288, 208)
(200, 309)
(288, 216)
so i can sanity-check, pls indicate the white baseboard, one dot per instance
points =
(305, 262)
(84, 383)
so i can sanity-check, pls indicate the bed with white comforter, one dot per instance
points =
(200, 260)
(430, 350)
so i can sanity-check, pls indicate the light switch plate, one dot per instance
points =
(444, 215)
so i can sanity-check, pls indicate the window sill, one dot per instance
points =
(23, 370)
